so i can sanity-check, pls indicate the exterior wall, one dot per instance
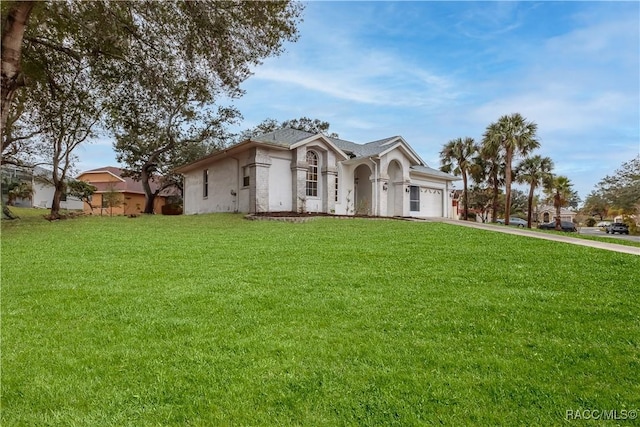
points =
(129, 203)
(223, 183)
(43, 197)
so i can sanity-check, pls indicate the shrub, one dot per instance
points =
(591, 222)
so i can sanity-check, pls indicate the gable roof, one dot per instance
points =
(122, 184)
(288, 138)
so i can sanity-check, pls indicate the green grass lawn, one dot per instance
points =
(216, 320)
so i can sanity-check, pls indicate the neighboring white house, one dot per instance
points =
(294, 171)
(40, 180)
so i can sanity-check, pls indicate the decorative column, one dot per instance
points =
(259, 179)
(329, 175)
(299, 167)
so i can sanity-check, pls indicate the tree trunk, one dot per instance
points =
(557, 204)
(12, 36)
(530, 205)
(55, 203)
(507, 186)
(494, 204)
(466, 196)
(150, 196)
(8, 214)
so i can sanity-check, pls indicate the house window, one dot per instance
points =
(246, 180)
(414, 198)
(105, 201)
(336, 188)
(312, 174)
(205, 183)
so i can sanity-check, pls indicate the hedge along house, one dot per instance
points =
(290, 170)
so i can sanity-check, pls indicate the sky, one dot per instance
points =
(433, 71)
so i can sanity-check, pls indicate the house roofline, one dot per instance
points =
(406, 149)
(226, 152)
(436, 174)
(101, 171)
(324, 139)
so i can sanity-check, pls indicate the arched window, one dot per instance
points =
(312, 174)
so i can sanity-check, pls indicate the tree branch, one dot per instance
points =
(62, 49)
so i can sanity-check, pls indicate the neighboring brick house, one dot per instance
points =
(290, 170)
(130, 197)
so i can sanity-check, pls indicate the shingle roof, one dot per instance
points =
(434, 172)
(128, 185)
(288, 137)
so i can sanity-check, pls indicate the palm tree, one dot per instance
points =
(560, 190)
(534, 171)
(19, 190)
(488, 166)
(512, 135)
(456, 156)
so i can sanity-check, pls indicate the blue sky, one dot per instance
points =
(434, 71)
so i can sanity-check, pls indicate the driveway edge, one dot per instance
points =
(528, 233)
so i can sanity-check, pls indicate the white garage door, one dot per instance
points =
(431, 202)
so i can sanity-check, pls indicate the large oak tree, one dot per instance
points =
(143, 46)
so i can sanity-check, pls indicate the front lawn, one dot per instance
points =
(216, 320)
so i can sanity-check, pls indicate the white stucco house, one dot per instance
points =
(40, 180)
(295, 171)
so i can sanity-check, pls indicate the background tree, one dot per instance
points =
(111, 199)
(217, 43)
(158, 130)
(622, 189)
(518, 202)
(513, 136)
(560, 192)
(303, 123)
(596, 204)
(456, 156)
(310, 125)
(533, 171)
(480, 200)
(82, 191)
(18, 190)
(21, 129)
(68, 113)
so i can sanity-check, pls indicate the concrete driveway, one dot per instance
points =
(564, 237)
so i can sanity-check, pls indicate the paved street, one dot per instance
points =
(594, 231)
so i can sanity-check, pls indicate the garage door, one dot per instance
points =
(431, 202)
